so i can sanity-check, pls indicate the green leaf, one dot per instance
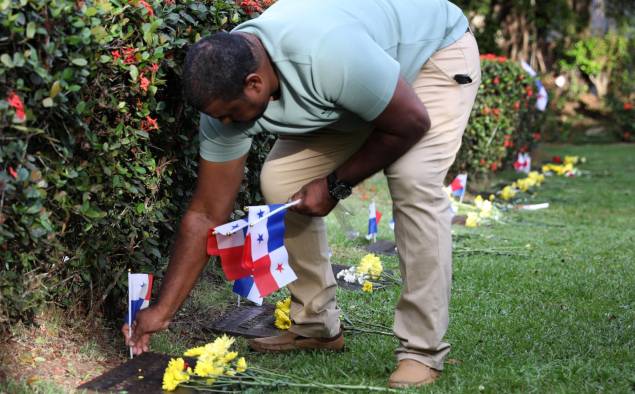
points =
(134, 72)
(79, 61)
(30, 30)
(90, 11)
(94, 213)
(6, 60)
(55, 89)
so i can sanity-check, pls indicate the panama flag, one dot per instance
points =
(374, 216)
(523, 163)
(264, 248)
(458, 186)
(139, 290)
(228, 242)
(246, 287)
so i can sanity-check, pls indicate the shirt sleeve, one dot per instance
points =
(355, 73)
(219, 143)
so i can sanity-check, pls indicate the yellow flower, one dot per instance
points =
(537, 177)
(208, 368)
(486, 209)
(282, 314)
(370, 265)
(241, 365)
(472, 219)
(367, 287)
(478, 201)
(175, 374)
(507, 193)
(195, 351)
(573, 160)
(283, 321)
(492, 197)
(229, 357)
(284, 305)
(523, 184)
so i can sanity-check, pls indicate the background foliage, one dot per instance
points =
(503, 118)
(98, 153)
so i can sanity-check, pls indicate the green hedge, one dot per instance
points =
(98, 153)
(503, 121)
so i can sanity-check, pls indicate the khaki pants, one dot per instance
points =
(420, 209)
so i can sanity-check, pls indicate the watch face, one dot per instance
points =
(340, 191)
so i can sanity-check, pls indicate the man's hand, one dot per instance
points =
(315, 199)
(147, 322)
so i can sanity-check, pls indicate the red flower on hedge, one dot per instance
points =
(523, 149)
(556, 159)
(508, 143)
(12, 172)
(516, 105)
(628, 106)
(149, 124)
(536, 136)
(529, 91)
(250, 6)
(154, 67)
(493, 166)
(16, 102)
(129, 55)
(496, 80)
(147, 7)
(496, 111)
(501, 59)
(115, 55)
(144, 82)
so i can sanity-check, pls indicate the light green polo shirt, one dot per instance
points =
(338, 62)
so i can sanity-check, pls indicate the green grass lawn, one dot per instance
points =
(554, 313)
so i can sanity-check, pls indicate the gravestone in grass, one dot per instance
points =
(250, 321)
(382, 246)
(141, 375)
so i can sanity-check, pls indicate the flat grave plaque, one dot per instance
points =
(143, 374)
(382, 247)
(249, 321)
(459, 219)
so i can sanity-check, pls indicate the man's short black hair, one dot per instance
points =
(216, 68)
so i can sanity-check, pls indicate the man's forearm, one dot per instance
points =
(188, 259)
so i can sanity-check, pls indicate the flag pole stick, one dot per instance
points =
(279, 209)
(129, 315)
(238, 299)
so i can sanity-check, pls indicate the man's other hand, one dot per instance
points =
(147, 322)
(315, 199)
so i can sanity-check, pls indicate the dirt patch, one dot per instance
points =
(56, 352)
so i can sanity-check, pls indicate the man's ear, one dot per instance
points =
(253, 83)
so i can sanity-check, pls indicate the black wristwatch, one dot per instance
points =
(339, 190)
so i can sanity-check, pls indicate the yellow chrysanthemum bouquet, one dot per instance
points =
(214, 362)
(219, 369)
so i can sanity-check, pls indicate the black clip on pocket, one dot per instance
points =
(462, 79)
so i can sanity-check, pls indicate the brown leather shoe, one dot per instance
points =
(411, 373)
(290, 341)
